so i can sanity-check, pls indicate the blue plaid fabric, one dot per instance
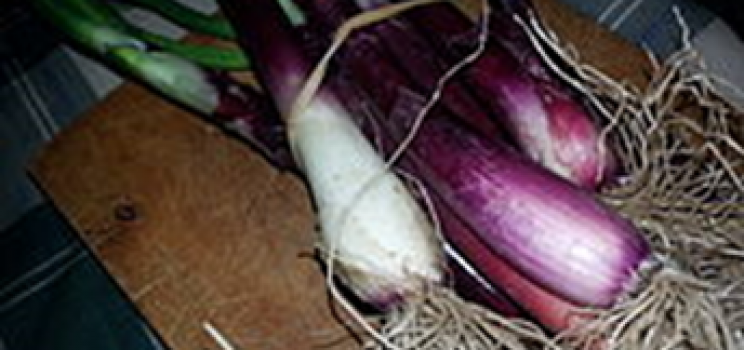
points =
(650, 24)
(41, 90)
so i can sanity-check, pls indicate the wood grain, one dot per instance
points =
(193, 225)
(196, 228)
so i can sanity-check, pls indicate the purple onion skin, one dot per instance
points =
(512, 37)
(413, 55)
(273, 46)
(406, 62)
(467, 281)
(546, 120)
(486, 183)
(251, 116)
(479, 290)
(556, 234)
(553, 232)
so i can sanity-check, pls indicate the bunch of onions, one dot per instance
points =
(375, 237)
(508, 156)
(552, 246)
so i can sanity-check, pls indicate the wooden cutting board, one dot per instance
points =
(196, 228)
(192, 224)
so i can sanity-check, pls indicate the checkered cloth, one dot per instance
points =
(650, 23)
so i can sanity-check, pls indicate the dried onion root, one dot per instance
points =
(441, 320)
(675, 310)
(678, 142)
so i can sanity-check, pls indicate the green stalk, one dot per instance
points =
(94, 27)
(188, 17)
(171, 75)
(200, 22)
(205, 55)
(99, 27)
(211, 92)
